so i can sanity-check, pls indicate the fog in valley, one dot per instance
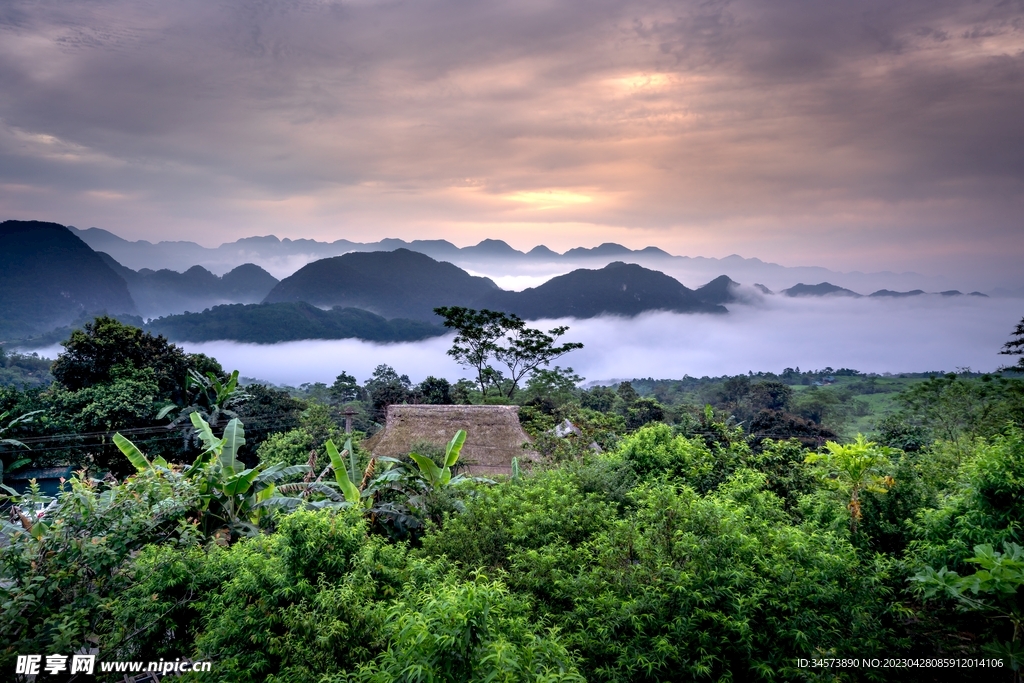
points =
(916, 334)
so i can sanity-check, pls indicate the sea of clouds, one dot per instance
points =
(920, 334)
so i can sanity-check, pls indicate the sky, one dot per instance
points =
(856, 135)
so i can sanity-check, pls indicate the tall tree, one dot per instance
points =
(386, 387)
(484, 334)
(477, 334)
(93, 354)
(527, 349)
(1015, 347)
(345, 388)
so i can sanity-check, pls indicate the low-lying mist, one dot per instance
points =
(904, 335)
(917, 334)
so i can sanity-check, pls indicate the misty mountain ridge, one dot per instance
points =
(163, 292)
(828, 289)
(619, 288)
(406, 284)
(721, 290)
(401, 285)
(283, 257)
(394, 284)
(820, 289)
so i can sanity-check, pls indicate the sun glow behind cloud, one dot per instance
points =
(549, 199)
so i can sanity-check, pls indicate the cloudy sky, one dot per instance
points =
(857, 135)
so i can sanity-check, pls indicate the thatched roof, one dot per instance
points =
(493, 434)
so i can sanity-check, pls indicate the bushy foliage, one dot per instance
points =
(549, 508)
(322, 600)
(786, 474)
(23, 370)
(984, 508)
(57, 576)
(654, 540)
(683, 585)
(92, 354)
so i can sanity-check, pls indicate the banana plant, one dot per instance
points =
(408, 494)
(213, 400)
(345, 473)
(4, 441)
(442, 476)
(233, 498)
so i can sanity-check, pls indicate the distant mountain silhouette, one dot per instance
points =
(165, 292)
(288, 321)
(617, 289)
(50, 278)
(248, 281)
(889, 292)
(492, 249)
(394, 284)
(607, 249)
(820, 289)
(721, 290)
(283, 257)
(542, 252)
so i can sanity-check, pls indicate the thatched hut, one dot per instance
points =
(493, 434)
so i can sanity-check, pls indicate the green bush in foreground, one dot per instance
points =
(682, 586)
(321, 600)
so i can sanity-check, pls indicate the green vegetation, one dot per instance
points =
(270, 323)
(1015, 347)
(23, 371)
(660, 537)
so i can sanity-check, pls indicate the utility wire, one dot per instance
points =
(260, 422)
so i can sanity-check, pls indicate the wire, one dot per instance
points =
(255, 423)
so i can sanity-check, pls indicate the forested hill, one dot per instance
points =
(165, 292)
(617, 289)
(288, 321)
(395, 284)
(49, 278)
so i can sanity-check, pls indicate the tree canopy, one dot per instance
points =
(483, 335)
(92, 354)
(1015, 347)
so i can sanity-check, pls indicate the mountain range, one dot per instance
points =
(165, 292)
(495, 258)
(50, 278)
(177, 255)
(381, 296)
(395, 284)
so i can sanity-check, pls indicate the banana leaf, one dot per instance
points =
(350, 490)
(451, 455)
(131, 451)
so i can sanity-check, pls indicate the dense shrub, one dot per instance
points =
(321, 600)
(984, 508)
(57, 580)
(683, 586)
(499, 522)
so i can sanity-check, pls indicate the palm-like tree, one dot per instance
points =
(855, 468)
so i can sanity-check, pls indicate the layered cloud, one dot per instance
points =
(858, 135)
